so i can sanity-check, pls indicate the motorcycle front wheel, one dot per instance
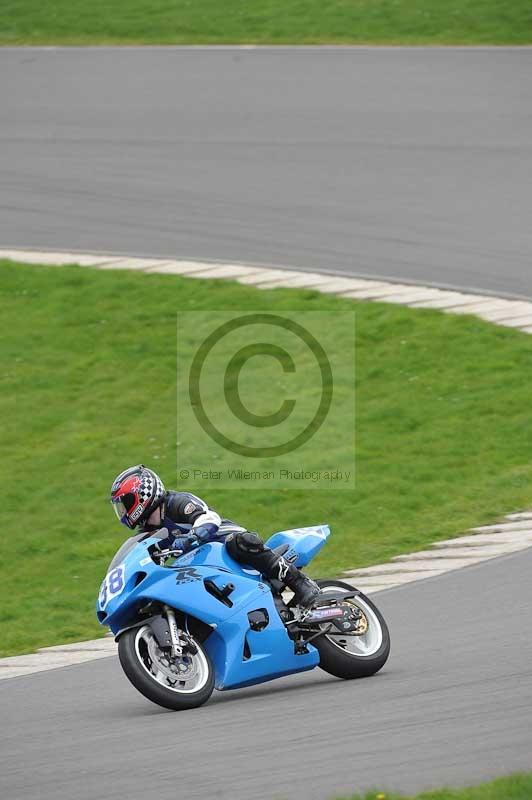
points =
(177, 683)
(354, 655)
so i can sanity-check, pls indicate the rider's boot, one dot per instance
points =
(247, 547)
(304, 588)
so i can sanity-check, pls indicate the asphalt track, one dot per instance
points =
(451, 706)
(412, 164)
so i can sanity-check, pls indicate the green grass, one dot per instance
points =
(514, 787)
(87, 387)
(266, 21)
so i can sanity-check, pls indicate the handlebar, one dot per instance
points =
(159, 556)
(169, 552)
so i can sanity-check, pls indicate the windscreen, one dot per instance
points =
(122, 552)
(130, 543)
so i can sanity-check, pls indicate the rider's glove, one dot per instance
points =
(185, 543)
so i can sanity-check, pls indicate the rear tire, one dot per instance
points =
(336, 659)
(147, 668)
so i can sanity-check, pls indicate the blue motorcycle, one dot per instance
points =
(188, 623)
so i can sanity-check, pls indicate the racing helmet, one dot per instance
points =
(135, 494)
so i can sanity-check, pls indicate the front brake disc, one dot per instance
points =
(175, 668)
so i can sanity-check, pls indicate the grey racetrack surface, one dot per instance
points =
(410, 164)
(451, 706)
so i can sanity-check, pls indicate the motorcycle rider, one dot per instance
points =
(139, 498)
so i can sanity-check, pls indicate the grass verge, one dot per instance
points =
(87, 387)
(266, 21)
(513, 787)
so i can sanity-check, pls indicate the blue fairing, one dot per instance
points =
(268, 653)
(304, 543)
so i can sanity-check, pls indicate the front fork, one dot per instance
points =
(179, 638)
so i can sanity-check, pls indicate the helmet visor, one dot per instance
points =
(121, 512)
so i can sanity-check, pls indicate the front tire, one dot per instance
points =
(177, 684)
(349, 656)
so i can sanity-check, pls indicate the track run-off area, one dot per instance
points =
(408, 164)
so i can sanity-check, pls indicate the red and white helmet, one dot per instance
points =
(135, 494)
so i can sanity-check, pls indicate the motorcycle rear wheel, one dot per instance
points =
(177, 684)
(348, 656)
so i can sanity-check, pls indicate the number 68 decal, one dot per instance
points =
(112, 585)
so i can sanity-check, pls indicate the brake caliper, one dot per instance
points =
(353, 620)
